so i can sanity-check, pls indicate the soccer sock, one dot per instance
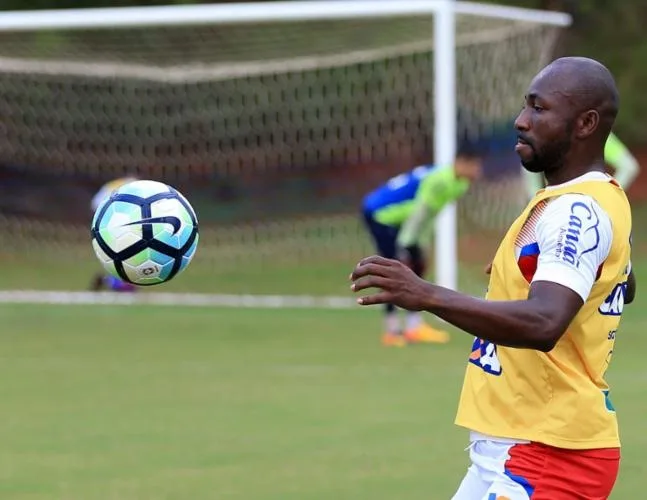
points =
(392, 323)
(414, 320)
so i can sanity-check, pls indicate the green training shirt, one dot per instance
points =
(437, 188)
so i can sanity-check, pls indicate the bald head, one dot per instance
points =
(587, 85)
(570, 109)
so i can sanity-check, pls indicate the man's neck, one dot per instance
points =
(563, 175)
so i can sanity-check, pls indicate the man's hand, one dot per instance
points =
(414, 258)
(537, 322)
(404, 256)
(488, 269)
(398, 284)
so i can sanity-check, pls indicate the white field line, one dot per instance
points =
(174, 299)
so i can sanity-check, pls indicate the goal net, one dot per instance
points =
(274, 131)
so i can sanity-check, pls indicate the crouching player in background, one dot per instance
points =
(101, 280)
(399, 216)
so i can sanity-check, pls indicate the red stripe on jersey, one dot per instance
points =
(528, 266)
(527, 234)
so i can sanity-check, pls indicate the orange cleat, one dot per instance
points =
(425, 334)
(393, 340)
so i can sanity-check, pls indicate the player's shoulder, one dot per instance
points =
(578, 207)
(575, 213)
(566, 202)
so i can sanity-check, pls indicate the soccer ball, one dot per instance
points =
(145, 233)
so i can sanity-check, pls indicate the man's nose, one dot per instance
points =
(522, 122)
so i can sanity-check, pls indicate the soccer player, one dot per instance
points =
(399, 216)
(616, 155)
(534, 395)
(103, 281)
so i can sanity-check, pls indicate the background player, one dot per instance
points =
(399, 216)
(616, 155)
(534, 395)
(101, 280)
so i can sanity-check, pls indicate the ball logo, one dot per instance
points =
(580, 236)
(148, 271)
(169, 219)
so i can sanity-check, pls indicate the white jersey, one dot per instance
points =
(542, 240)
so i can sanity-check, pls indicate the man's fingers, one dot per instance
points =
(373, 260)
(376, 298)
(369, 269)
(370, 282)
(376, 259)
(373, 272)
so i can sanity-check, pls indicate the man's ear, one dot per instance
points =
(587, 124)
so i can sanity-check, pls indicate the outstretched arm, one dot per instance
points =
(560, 286)
(621, 160)
(535, 323)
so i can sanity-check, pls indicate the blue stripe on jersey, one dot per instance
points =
(398, 189)
(532, 249)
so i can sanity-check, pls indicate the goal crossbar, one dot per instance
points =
(197, 72)
(442, 14)
(257, 12)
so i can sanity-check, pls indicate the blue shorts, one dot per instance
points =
(117, 285)
(385, 237)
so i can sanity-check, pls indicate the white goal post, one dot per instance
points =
(443, 12)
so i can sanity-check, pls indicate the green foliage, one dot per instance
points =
(613, 33)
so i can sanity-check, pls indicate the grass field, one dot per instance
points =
(171, 403)
(152, 402)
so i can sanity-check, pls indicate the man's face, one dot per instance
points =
(544, 126)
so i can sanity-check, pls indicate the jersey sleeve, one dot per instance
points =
(574, 236)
